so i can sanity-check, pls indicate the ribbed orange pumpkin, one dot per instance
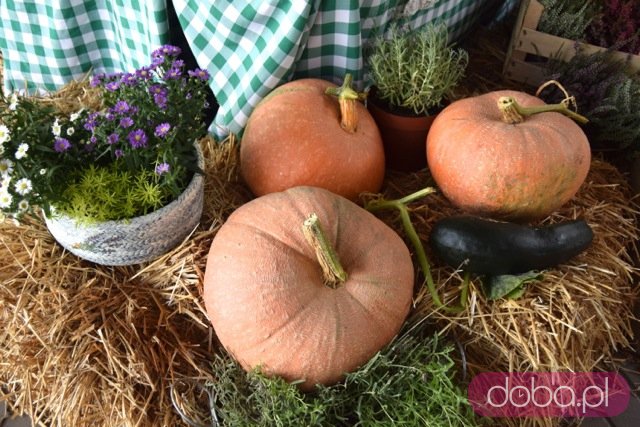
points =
(295, 137)
(270, 303)
(518, 171)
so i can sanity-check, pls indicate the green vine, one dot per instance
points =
(401, 206)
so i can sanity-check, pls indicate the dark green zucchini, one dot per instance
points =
(491, 247)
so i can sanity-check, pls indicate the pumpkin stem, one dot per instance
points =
(347, 99)
(421, 255)
(332, 270)
(514, 113)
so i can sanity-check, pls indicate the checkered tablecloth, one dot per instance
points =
(249, 47)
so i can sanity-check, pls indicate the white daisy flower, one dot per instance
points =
(73, 117)
(6, 167)
(70, 131)
(56, 128)
(23, 186)
(5, 134)
(5, 200)
(43, 171)
(13, 101)
(22, 151)
(23, 205)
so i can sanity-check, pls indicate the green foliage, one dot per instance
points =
(568, 18)
(112, 193)
(145, 124)
(416, 70)
(409, 383)
(32, 172)
(606, 92)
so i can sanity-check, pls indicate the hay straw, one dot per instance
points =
(83, 344)
(575, 319)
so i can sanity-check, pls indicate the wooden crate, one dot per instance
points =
(529, 47)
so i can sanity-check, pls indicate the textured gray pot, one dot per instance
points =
(139, 239)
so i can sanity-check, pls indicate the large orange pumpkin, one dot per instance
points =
(492, 161)
(273, 305)
(298, 136)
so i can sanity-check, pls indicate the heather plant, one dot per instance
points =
(567, 18)
(617, 24)
(606, 90)
(132, 155)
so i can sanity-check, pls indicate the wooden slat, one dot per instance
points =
(548, 46)
(527, 40)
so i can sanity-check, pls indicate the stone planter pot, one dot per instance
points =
(136, 240)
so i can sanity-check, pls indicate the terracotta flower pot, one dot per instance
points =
(404, 136)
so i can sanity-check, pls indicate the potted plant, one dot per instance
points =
(413, 73)
(117, 176)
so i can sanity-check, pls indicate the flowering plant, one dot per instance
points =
(131, 155)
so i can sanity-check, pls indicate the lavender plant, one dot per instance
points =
(131, 156)
(568, 18)
(606, 90)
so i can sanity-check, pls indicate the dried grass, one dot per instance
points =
(86, 345)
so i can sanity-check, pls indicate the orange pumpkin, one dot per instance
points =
(273, 304)
(491, 160)
(298, 135)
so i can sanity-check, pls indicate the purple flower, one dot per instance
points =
(121, 107)
(118, 153)
(96, 80)
(172, 73)
(129, 79)
(90, 123)
(178, 63)
(61, 145)
(162, 168)
(144, 73)
(200, 74)
(93, 140)
(160, 100)
(110, 116)
(162, 130)
(158, 90)
(166, 50)
(112, 86)
(113, 138)
(137, 138)
(126, 122)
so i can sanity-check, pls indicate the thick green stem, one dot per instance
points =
(347, 99)
(421, 255)
(514, 113)
(334, 273)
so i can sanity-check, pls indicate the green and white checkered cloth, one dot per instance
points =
(251, 47)
(47, 43)
(248, 47)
